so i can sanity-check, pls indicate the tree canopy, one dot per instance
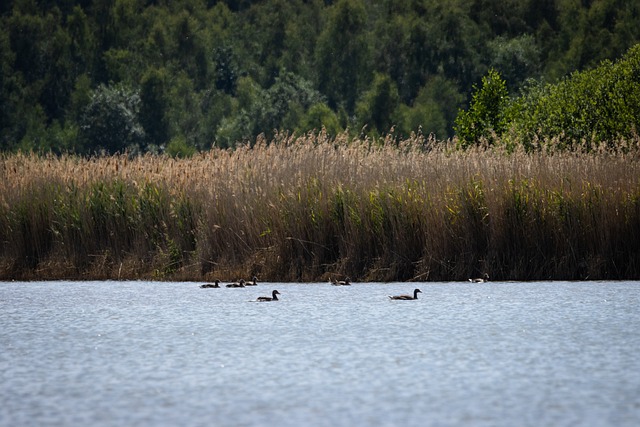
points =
(140, 75)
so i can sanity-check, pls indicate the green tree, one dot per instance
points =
(266, 25)
(283, 103)
(190, 53)
(103, 26)
(320, 116)
(455, 43)
(110, 121)
(8, 82)
(423, 116)
(342, 54)
(602, 104)
(434, 109)
(378, 105)
(226, 70)
(178, 147)
(153, 107)
(516, 59)
(42, 58)
(487, 112)
(503, 18)
(82, 42)
(55, 54)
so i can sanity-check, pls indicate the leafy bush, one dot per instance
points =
(588, 107)
(598, 105)
(487, 112)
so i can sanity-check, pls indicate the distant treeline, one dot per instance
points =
(315, 207)
(182, 76)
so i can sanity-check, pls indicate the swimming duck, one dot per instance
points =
(253, 282)
(216, 284)
(345, 282)
(274, 297)
(239, 284)
(484, 278)
(407, 297)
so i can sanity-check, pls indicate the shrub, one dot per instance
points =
(591, 106)
(487, 111)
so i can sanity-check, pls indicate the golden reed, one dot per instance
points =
(311, 207)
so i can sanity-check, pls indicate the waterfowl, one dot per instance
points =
(253, 282)
(484, 278)
(215, 284)
(345, 282)
(239, 284)
(407, 297)
(273, 297)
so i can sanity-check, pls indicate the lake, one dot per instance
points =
(156, 353)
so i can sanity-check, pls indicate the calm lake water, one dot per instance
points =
(155, 354)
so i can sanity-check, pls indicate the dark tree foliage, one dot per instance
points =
(110, 122)
(211, 72)
(154, 104)
(342, 54)
(226, 70)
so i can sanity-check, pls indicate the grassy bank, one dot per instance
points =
(313, 207)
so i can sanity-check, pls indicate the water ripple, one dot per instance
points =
(145, 354)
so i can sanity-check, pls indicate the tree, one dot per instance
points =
(378, 104)
(516, 59)
(598, 105)
(486, 112)
(455, 42)
(320, 116)
(226, 69)
(342, 55)
(434, 110)
(110, 122)
(289, 95)
(8, 82)
(153, 107)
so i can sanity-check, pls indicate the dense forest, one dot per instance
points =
(92, 76)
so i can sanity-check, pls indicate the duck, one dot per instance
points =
(239, 284)
(253, 282)
(273, 297)
(345, 282)
(215, 284)
(484, 278)
(407, 297)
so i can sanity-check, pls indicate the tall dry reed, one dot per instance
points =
(310, 207)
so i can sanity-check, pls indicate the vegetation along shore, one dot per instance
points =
(296, 140)
(313, 207)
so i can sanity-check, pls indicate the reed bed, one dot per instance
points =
(312, 207)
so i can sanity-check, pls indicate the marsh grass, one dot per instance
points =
(311, 207)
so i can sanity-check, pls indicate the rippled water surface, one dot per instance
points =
(147, 354)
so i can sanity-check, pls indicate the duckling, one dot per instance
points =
(239, 284)
(484, 278)
(253, 282)
(216, 284)
(274, 297)
(345, 282)
(407, 297)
